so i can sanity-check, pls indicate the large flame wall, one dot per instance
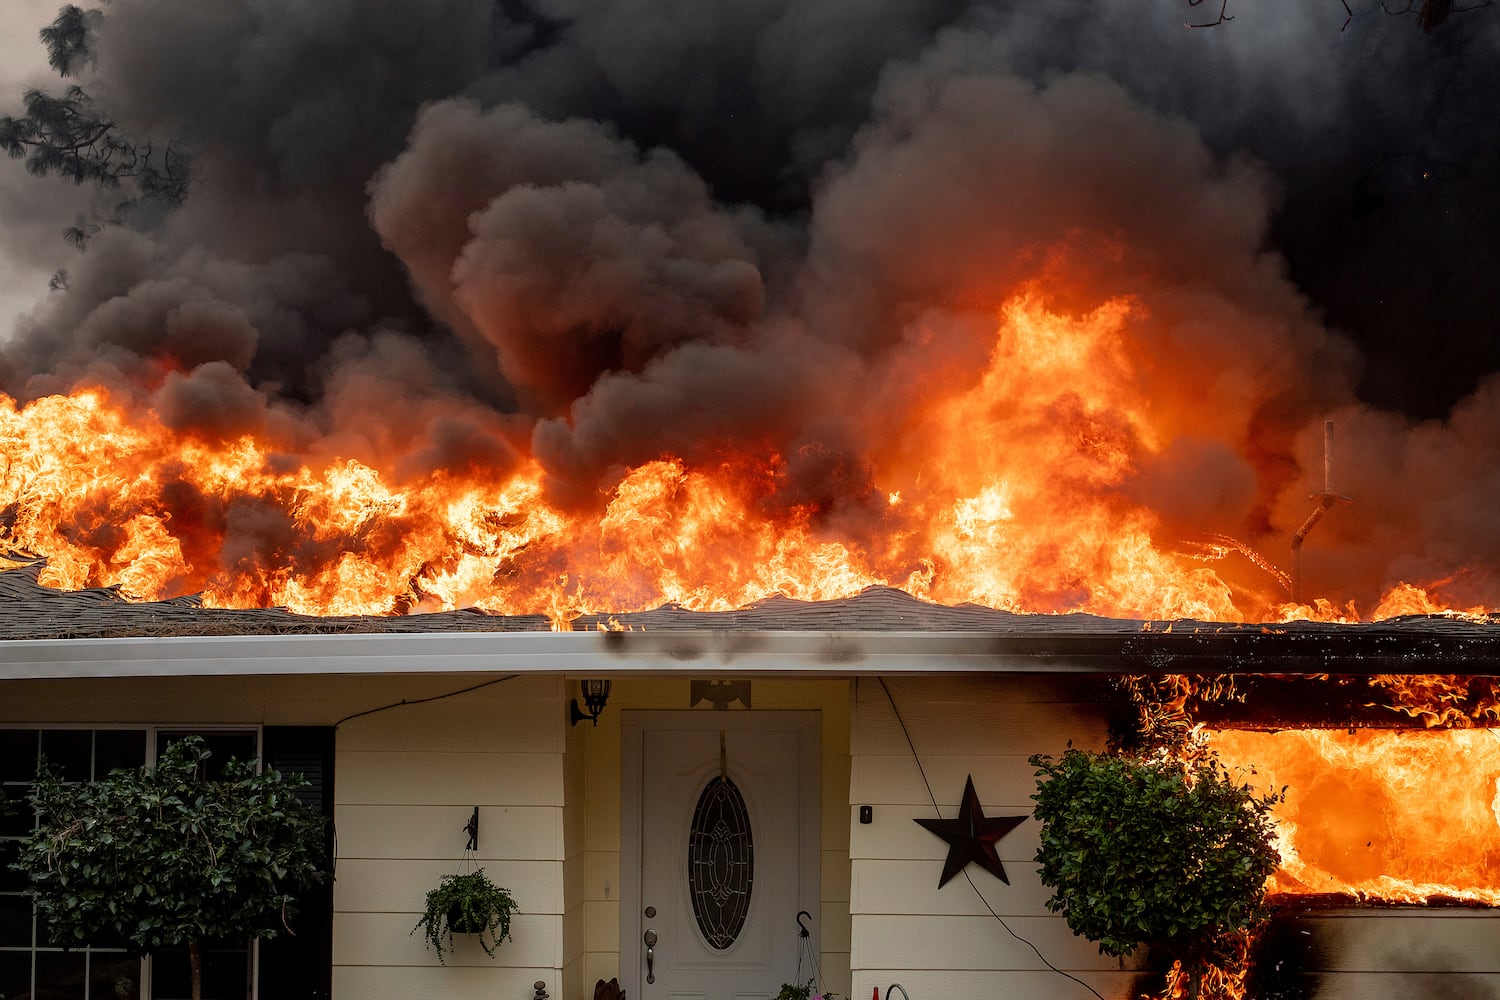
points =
(1387, 815)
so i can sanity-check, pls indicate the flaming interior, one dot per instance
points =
(1392, 816)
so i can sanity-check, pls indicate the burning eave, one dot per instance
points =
(879, 631)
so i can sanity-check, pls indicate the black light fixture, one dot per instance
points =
(595, 694)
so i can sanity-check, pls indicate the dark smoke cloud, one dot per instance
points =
(443, 235)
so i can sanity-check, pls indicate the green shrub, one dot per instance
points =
(1154, 851)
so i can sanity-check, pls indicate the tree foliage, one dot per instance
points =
(69, 39)
(68, 135)
(165, 857)
(1154, 850)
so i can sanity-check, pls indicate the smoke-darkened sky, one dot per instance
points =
(599, 232)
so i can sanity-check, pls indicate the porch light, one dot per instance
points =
(595, 694)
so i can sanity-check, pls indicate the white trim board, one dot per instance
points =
(594, 654)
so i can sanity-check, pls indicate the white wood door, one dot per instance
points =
(724, 914)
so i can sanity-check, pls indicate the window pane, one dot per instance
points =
(15, 973)
(15, 921)
(109, 940)
(69, 752)
(19, 820)
(114, 977)
(61, 975)
(10, 881)
(116, 748)
(226, 974)
(17, 754)
(222, 744)
(169, 976)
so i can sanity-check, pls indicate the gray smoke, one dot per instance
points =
(440, 235)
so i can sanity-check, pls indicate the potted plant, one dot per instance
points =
(807, 991)
(466, 904)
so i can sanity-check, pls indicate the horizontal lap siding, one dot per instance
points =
(940, 943)
(946, 943)
(408, 781)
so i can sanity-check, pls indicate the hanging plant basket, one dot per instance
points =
(466, 904)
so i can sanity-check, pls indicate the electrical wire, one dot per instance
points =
(967, 877)
(334, 859)
(423, 701)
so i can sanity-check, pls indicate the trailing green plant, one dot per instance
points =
(1154, 850)
(466, 904)
(166, 856)
(807, 991)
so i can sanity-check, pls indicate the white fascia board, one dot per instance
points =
(601, 654)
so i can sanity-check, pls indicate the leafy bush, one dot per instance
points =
(1154, 851)
(164, 857)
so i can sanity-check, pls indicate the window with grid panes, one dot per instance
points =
(30, 965)
(34, 968)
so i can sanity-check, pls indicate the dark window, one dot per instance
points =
(300, 966)
(721, 862)
(18, 749)
(30, 966)
(222, 745)
(291, 968)
(69, 752)
(117, 748)
(226, 974)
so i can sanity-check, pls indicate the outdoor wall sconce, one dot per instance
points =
(595, 694)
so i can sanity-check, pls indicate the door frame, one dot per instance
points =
(633, 726)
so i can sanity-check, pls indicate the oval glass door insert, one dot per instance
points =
(721, 862)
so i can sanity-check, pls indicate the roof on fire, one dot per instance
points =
(97, 632)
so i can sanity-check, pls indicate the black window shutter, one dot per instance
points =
(299, 966)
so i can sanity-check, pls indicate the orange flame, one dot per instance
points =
(1004, 489)
(1382, 815)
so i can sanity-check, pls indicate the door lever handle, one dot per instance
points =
(650, 938)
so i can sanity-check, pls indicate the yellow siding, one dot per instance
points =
(407, 780)
(939, 943)
(574, 868)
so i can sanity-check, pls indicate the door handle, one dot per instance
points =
(650, 938)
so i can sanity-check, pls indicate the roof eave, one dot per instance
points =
(762, 653)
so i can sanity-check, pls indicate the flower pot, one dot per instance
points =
(459, 924)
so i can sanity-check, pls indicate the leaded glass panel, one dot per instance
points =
(721, 862)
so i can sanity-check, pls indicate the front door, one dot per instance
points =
(720, 841)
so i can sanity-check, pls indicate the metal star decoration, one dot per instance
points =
(972, 837)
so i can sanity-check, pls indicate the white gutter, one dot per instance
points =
(601, 654)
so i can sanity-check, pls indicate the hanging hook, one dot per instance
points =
(472, 829)
(802, 930)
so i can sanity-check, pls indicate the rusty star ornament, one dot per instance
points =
(971, 836)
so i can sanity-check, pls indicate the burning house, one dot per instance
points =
(840, 721)
(527, 411)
